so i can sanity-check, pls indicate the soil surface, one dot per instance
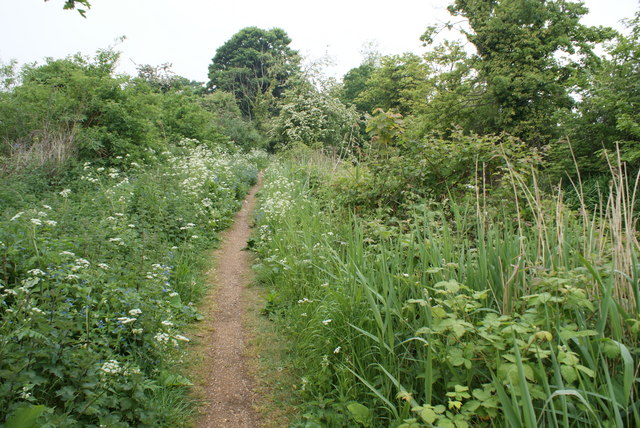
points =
(223, 383)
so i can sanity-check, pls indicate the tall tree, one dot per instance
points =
(608, 116)
(530, 55)
(401, 83)
(254, 65)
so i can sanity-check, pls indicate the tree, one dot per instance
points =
(609, 112)
(354, 83)
(315, 119)
(254, 65)
(530, 55)
(401, 83)
(71, 4)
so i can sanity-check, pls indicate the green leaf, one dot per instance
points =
(568, 373)
(452, 286)
(427, 414)
(360, 413)
(25, 417)
(445, 423)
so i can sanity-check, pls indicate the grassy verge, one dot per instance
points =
(460, 313)
(99, 279)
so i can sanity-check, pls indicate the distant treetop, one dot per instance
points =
(71, 4)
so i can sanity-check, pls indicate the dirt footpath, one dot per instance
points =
(222, 380)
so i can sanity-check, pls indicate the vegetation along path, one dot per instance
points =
(223, 382)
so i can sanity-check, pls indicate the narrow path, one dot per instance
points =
(222, 379)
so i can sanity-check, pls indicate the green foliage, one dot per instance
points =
(98, 280)
(162, 79)
(607, 115)
(71, 4)
(230, 121)
(314, 118)
(355, 82)
(459, 316)
(255, 66)
(396, 171)
(76, 108)
(401, 83)
(529, 54)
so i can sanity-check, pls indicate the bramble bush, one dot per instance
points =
(98, 279)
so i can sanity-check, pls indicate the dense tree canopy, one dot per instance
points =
(254, 65)
(530, 54)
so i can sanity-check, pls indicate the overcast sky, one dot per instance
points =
(186, 33)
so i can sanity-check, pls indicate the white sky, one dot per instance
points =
(187, 33)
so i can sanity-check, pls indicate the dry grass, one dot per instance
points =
(45, 147)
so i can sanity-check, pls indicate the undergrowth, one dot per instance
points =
(467, 311)
(97, 280)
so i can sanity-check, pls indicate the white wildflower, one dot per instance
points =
(327, 321)
(25, 394)
(167, 323)
(161, 337)
(126, 320)
(65, 193)
(337, 350)
(17, 216)
(111, 367)
(135, 312)
(36, 221)
(181, 338)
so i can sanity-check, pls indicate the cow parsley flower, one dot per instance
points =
(17, 216)
(111, 367)
(161, 337)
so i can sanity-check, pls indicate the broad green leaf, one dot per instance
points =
(360, 413)
(25, 417)
(427, 414)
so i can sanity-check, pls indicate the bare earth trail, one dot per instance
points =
(222, 379)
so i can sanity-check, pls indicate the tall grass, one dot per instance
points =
(469, 313)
